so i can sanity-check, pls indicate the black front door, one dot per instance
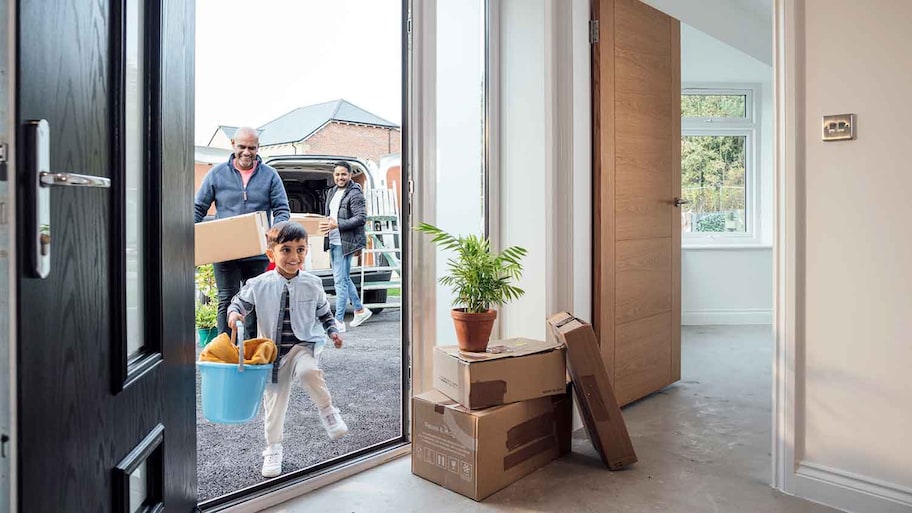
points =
(106, 402)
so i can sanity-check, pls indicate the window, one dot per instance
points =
(719, 140)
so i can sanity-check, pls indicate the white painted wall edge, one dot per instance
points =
(726, 317)
(832, 487)
(422, 170)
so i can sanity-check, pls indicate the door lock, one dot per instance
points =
(37, 180)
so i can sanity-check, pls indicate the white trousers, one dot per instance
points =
(300, 366)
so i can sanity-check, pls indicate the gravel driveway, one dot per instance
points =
(365, 380)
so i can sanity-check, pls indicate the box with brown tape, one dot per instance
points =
(231, 238)
(598, 405)
(511, 370)
(478, 452)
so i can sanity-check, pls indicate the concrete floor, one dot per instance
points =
(703, 446)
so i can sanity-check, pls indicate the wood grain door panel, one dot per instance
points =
(644, 356)
(636, 176)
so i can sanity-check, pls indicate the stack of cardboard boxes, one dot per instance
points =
(495, 417)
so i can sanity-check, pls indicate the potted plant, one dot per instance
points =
(206, 329)
(480, 279)
(206, 306)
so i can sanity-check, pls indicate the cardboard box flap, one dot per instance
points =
(599, 408)
(498, 349)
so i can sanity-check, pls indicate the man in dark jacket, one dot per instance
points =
(345, 236)
(240, 186)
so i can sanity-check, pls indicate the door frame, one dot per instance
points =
(294, 484)
(8, 136)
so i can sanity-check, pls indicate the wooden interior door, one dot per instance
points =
(636, 93)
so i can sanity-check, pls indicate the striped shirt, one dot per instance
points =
(287, 340)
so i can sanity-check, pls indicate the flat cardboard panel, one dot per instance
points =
(601, 414)
(310, 222)
(231, 238)
(478, 452)
(519, 370)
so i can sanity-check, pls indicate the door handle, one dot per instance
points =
(678, 202)
(37, 180)
(73, 180)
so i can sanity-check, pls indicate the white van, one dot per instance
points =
(307, 180)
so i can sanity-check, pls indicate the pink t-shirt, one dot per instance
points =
(246, 174)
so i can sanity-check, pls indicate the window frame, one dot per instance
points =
(748, 127)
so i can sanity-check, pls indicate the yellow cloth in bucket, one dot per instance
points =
(257, 351)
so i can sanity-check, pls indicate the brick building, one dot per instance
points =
(331, 128)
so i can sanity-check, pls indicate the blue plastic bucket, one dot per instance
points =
(232, 396)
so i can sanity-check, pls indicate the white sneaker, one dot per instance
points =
(332, 422)
(361, 317)
(340, 326)
(272, 461)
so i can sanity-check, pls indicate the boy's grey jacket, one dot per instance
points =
(306, 298)
(352, 217)
(224, 186)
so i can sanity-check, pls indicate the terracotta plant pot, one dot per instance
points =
(473, 330)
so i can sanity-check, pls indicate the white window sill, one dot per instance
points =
(687, 246)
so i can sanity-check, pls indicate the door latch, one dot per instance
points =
(37, 179)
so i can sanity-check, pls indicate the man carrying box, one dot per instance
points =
(240, 186)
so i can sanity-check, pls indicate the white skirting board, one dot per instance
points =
(850, 492)
(727, 317)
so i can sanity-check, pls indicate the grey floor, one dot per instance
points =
(703, 445)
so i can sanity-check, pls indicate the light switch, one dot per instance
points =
(839, 127)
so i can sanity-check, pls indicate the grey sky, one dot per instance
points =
(257, 61)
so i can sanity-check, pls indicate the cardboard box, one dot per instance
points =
(310, 222)
(475, 453)
(317, 259)
(598, 405)
(511, 370)
(231, 238)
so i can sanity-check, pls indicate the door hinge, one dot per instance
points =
(593, 31)
(2, 153)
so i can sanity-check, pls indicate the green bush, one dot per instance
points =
(206, 314)
(205, 280)
(714, 222)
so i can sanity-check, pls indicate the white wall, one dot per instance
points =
(730, 285)
(858, 246)
(743, 24)
(459, 135)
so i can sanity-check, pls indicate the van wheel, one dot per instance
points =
(375, 296)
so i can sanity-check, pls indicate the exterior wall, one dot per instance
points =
(857, 247)
(220, 140)
(365, 142)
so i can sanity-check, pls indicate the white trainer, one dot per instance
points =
(272, 461)
(332, 422)
(340, 326)
(361, 317)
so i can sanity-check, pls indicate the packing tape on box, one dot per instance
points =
(487, 393)
(464, 439)
(532, 429)
(596, 403)
(529, 451)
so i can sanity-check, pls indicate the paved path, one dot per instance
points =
(364, 378)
